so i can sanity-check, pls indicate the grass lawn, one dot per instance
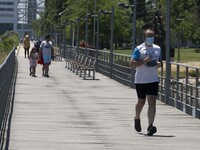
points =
(124, 51)
(186, 54)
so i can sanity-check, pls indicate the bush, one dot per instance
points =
(9, 39)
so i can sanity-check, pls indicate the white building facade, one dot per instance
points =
(8, 15)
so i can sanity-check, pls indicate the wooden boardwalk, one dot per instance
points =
(64, 112)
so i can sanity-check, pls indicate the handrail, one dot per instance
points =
(7, 82)
(183, 95)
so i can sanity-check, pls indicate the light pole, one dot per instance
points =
(71, 36)
(78, 31)
(64, 42)
(126, 6)
(94, 24)
(77, 40)
(112, 33)
(179, 38)
(86, 34)
(111, 41)
(168, 66)
(134, 8)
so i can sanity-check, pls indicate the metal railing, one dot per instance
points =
(7, 84)
(184, 89)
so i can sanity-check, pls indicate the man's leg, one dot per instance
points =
(152, 108)
(151, 114)
(44, 69)
(138, 110)
(138, 107)
(47, 71)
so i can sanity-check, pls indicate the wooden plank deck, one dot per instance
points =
(64, 112)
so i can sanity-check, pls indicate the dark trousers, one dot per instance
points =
(26, 52)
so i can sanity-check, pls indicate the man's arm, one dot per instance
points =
(40, 52)
(135, 63)
(159, 62)
(52, 53)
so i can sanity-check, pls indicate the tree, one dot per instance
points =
(187, 12)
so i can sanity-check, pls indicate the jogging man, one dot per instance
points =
(146, 58)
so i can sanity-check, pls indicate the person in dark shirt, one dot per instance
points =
(37, 45)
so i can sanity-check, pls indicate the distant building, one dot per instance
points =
(18, 15)
(8, 15)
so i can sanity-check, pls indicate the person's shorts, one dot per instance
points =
(146, 89)
(47, 60)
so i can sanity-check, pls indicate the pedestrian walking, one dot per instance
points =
(37, 45)
(146, 58)
(47, 52)
(26, 43)
(32, 60)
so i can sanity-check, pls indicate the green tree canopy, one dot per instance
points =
(56, 13)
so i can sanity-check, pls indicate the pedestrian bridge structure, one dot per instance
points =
(65, 112)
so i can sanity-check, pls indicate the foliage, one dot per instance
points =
(185, 19)
(57, 13)
(9, 39)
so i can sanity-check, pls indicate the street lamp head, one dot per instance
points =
(94, 16)
(88, 14)
(125, 5)
(179, 19)
(72, 21)
(104, 12)
(121, 4)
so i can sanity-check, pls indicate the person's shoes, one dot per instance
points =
(46, 75)
(137, 125)
(30, 74)
(34, 75)
(151, 130)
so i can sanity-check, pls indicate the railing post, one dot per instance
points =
(197, 115)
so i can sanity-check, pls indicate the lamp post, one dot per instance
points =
(126, 6)
(86, 30)
(168, 66)
(97, 40)
(112, 33)
(64, 38)
(94, 24)
(77, 40)
(134, 7)
(179, 40)
(78, 32)
(71, 36)
(111, 41)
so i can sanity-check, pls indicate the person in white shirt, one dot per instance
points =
(146, 58)
(46, 51)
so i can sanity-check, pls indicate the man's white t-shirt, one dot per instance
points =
(144, 73)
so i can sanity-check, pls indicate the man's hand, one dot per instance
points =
(135, 63)
(159, 64)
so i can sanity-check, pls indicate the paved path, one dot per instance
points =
(64, 112)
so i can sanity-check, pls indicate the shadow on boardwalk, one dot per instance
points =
(64, 112)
